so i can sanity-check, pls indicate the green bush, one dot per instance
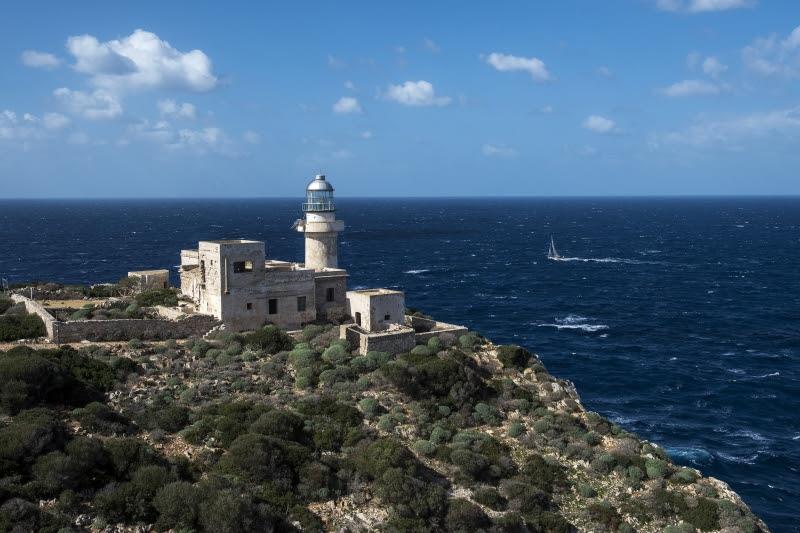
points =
(15, 327)
(229, 512)
(153, 297)
(465, 516)
(684, 476)
(424, 447)
(513, 356)
(30, 434)
(178, 506)
(261, 459)
(270, 339)
(422, 350)
(5, 304)
(516, 429)
(489, 497)
(435, 344)
(655, 468)
(98, 417)
(586, 490)
(605, 514)
(56, 472)
(369, 406)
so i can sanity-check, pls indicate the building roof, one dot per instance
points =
(319, 184)
(376, 292)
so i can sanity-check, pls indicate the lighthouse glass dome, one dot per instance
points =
(319, 196)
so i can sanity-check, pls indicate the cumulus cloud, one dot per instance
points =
(714, 67)
(495, 150)
(55, 121)
(416, 94)
(347, 104)
(508, 63)
(732, 132)
(32, 58)
(97, 105)
(691, 88)
(199, 141)
(702, 6)
(599, 124)
(773, 56)
(171, 108)
(141, 61)
(12, 128)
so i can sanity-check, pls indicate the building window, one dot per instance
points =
(249, 306)
(329, 294)
(242, 266)
(387, 317)
(358, 318)
(273, 307)
(301, 304)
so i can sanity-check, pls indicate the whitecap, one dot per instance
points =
(414, 272)
(575, 322)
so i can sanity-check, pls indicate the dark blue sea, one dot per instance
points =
(677, 318)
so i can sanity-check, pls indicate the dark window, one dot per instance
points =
(387, 317)
(329, 294)
(242, 266)
(358, 318)
(273, 307)
(249, 306)
(301, 303)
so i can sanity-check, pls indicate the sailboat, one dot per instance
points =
(552, 253)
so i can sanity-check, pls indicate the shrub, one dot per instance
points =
(586, 490)
(422, 351)
(228, 512)
(465, 516)
(170, 418)
(178, 506)
(468, 341)
(513, 356)
(260, 459)
(335, 354)
(684, 476)
(516, 429)
(369, 406)
(425, 447)
(271, 339)
(153, 297)
(15, 327)
(30, 434)
(100, 418)
(605, 514)
(681, 527)
(281, 424)
(5, 304)
(56, 472)
(489, 497)
(634, 474)
(435, 344)
(604, 463)
(655, 468)
(135, 344)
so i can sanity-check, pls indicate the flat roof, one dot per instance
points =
(154, 271)
(376, 292)
(234, 241)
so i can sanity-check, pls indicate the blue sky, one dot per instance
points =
(569, 97)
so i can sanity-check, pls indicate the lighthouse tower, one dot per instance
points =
(320, 225)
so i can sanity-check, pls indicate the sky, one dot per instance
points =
(446, 98)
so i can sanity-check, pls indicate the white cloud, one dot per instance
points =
(200, 141)
(341, 154)
(349, 85)
(604, 72)
(366, 135)
(347, 104)
(508, 63)
(141, 61)
(417, 94)
(599, 124)
(78, 138)
(12, 129)
(170, 108)
(546, 110)
(97, 105)
(495, 150)
(772, 56)
(691, 88)
(730, 133)
(714, 67)
(702, 6)
(431, 46)
(336, 63)
(251, 137)
(55, 121)
(32, 58)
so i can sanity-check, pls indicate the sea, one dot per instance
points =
(677, 318)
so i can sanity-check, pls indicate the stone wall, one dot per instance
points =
(118, 329)
(426, 328)
(36, 308)
(395, 341)
(130, 328)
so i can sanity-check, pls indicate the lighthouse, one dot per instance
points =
(320, 225)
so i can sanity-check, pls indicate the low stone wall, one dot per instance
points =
(393, 342)
(425, 328)
(132, 328)
(122, 329)
(36, 308)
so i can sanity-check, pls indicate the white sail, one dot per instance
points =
(552, 253)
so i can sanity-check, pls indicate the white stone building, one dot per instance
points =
(233, 281)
